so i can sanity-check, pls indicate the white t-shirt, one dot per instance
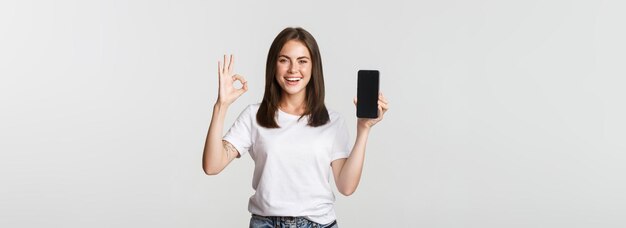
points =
(292, 163)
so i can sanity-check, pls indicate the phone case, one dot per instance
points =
(368, 84)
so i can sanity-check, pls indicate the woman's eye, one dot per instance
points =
(282, 61)
(303, 61)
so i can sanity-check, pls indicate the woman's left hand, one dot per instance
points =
(383, 106)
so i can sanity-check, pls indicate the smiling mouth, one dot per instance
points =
(291, 79)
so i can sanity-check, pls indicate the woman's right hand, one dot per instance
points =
(227, 91)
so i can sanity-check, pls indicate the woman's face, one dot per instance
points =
(293, 68)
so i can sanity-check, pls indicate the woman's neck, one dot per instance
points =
(293, 104)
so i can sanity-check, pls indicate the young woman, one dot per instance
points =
(292, 137)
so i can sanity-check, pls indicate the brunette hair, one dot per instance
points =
(315, 108)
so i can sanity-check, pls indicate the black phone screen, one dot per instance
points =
(367, 94)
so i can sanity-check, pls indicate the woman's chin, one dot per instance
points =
(293, 91)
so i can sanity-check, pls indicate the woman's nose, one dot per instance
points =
(293, 68)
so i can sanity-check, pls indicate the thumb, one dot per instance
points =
(354, 100)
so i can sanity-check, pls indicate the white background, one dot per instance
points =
(503, 113)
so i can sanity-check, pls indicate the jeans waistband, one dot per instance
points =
(293, 219)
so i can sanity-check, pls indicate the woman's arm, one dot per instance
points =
(347, 171)
(218, 153)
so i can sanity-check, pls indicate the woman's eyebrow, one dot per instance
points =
(301, 57)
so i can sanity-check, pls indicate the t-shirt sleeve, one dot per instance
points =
(240, 134)
(341, 142)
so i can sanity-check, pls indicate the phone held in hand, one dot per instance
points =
(367, 94)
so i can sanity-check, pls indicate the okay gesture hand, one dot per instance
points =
(227, 91)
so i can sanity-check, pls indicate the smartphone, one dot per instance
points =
(367, 94)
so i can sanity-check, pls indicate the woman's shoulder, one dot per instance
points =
(250, 110)
(334, 115)
(254, 107)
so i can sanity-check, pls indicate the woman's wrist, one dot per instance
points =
(363, 128)
(220, 104)
(220, 108)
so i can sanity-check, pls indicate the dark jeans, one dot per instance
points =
(258, 221)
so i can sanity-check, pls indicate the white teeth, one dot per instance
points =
(293, 79)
